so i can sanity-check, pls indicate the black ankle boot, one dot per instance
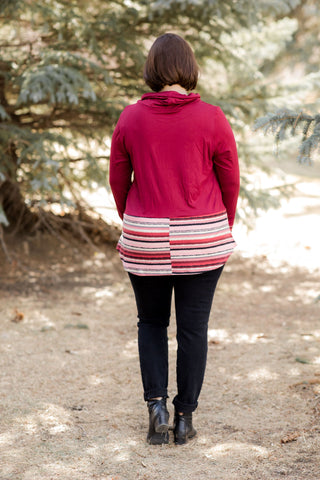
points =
(183, 428)
(158, 422)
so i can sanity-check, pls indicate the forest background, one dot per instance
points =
(67, 69)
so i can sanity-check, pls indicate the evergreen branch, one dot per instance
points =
(83, 64)
(16, 45)
(284, 120)
(273, 120)
(80, 159)
(311, 143)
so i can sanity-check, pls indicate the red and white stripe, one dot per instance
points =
(175, 246)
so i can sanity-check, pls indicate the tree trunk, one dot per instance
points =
(20, 217)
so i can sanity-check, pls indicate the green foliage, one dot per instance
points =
(286, 121)
(68, 69)
(54, 84)
(300, 84)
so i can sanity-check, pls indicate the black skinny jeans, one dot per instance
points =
(193, 299)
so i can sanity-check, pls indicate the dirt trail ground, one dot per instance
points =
(71, 405)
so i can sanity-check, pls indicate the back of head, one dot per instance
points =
(171, 61)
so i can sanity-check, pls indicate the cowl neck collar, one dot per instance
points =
(168, 98)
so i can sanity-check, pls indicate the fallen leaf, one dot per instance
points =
(291, 437)
(18, 316)
(311, 381)
(261, 335)
(302, 360)
(314, 381)
(77, 325)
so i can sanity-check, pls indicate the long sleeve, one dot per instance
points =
(226, 165)
(120, 171)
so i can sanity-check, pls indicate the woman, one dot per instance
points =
(175, 178)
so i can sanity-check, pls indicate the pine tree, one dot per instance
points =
(67, 69)
(284, 122)
(301, 63)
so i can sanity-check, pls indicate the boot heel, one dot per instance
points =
(163, 428)
(158, 422)
(155, 438)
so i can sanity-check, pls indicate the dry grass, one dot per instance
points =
(70, 393)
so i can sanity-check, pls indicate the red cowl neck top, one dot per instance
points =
(173, 155)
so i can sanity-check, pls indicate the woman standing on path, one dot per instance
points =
(174, 175)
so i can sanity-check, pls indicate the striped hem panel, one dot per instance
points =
(175, 246)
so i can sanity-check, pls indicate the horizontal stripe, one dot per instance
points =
(175, 246)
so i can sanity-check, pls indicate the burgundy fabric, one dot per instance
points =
(173, 155)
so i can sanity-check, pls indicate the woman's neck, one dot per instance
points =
(175, 88)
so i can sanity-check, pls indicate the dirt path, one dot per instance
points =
(71, 405)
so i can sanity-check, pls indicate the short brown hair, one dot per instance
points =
(170, 61)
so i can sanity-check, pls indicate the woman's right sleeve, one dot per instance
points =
(120, 171)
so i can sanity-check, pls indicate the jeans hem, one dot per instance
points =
(184, 407)
(155, 393)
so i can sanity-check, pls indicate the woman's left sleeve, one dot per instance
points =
(226, 165)
(120, 171)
